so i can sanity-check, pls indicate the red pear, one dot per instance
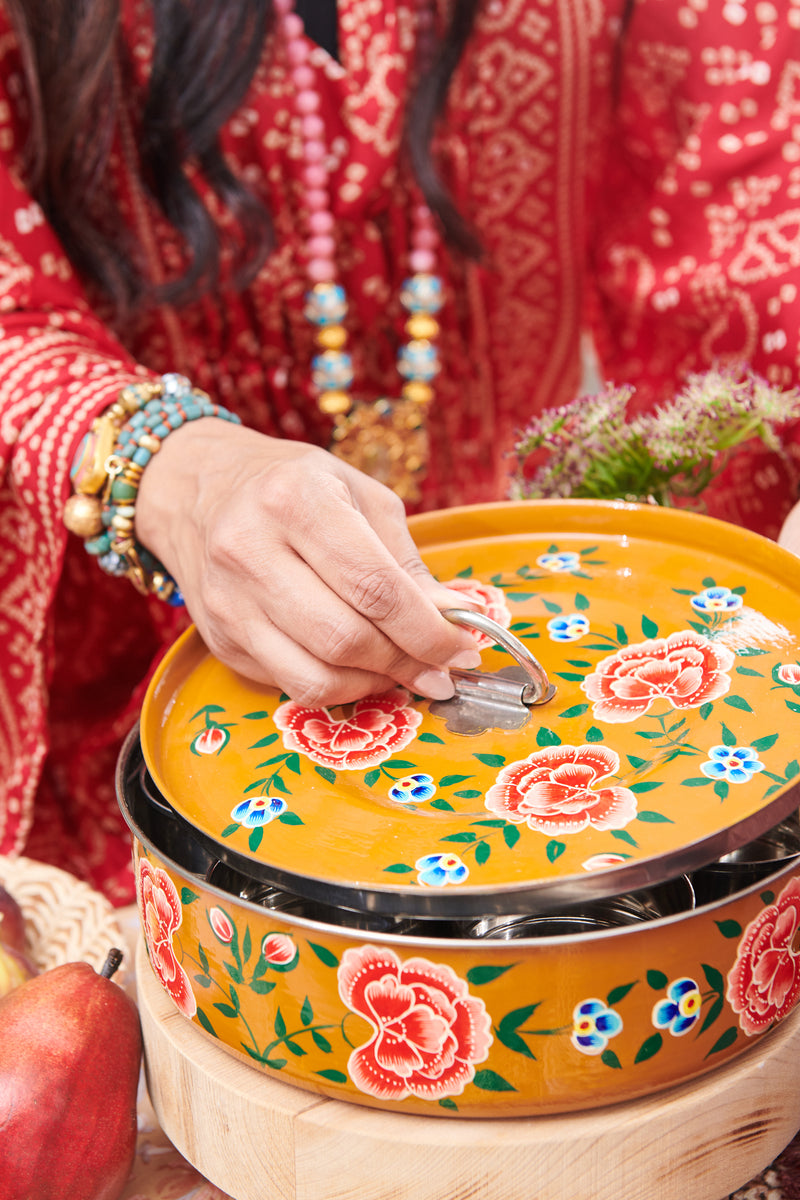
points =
(70, 1053)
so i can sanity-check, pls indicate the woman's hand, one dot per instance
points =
(789, 535)
(298, 570)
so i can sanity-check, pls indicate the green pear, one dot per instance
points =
(70, 1055)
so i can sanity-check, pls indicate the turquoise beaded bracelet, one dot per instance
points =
(164, 408)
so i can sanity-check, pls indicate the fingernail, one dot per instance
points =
(436, 685)
(467, 660)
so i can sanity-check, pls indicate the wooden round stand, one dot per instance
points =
(259, 1139)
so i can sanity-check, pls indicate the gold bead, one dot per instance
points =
(334, 403)
(122, 524)
(84, 515)
(331, 337)
(417, 391)
(148, 442)
(422, 326)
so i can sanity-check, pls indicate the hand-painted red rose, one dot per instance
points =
(221, 923)
(160, 910)
(764, 982)
(553, 790)
(491, 601)
(278, 949)
(375, 729)
(685, 668)
(428, 1031)
(210, 740)
(789, 673)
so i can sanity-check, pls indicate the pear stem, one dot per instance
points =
(113, 959)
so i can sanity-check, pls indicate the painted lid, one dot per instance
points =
(672, 641)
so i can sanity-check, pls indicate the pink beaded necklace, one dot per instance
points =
(386, 439)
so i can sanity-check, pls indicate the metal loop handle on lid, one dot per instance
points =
(537, 687)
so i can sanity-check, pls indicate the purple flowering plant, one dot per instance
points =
(591, 449)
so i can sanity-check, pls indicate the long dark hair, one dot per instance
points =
(205, 55)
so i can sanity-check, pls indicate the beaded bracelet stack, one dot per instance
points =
(108, 468)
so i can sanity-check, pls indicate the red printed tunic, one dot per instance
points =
(667, 223)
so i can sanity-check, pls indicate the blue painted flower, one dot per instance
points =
(716, 599)
(568, 628)
(593, 1024)
(436, 870)
(565, 560)
(736, 764)
(412, 789)
(681, 1008)
(258, 810)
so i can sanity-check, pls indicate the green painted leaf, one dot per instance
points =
(515, 1018)
(511, 836)
(442, 805)
(254, 838)
(295, 1047)
(767, 897)
(332, 1076)
(622, 636)
(728, 738)
(279, 1024)
(790, 704)
(623, 836)
(430, 737)
(583, 663)
(229, 829)
(486, 974)
(321, 1042)
(255, 785)
(792, 769)
(521, 596)
(399, 869)
(306, 1012)
(448, 1102)
(697, 781)
(709, 582)
(207, 708)
(649, 628)
(721, 789)
(468, 794)
(750, 651)
(372, 777)
(188, 896)
(655, 818)
(547, 737)
(247, 944)
(280, 786)
(256, 716)
(593, 734)
(402, 764)
(551, 606)
(491, 822)
(647, 785)
(649, 1047)
(713, 978)
(570, 676)
(712, 1014)
(326, 773)
(518, 626)
(657, 980)
(737, 702)
(555, 849)
(482, 852)
(290, 818)
(265, 741)
(325, 956)
(490, 1081)
(728, 1038)
(262, 987)
(637, 762)
(293, 763)
(581, 602)
(577, 710)
(227, 1010)
(465, 574)
(705, 711)
(234, 972)
(203, 980)
(201, 954)
(491, 760)
(610, 1059)
(512, 1041)
(749, 671)
(204, 1021)
(729, 928)
(619, 993)
(449, 780)
(465, 836)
